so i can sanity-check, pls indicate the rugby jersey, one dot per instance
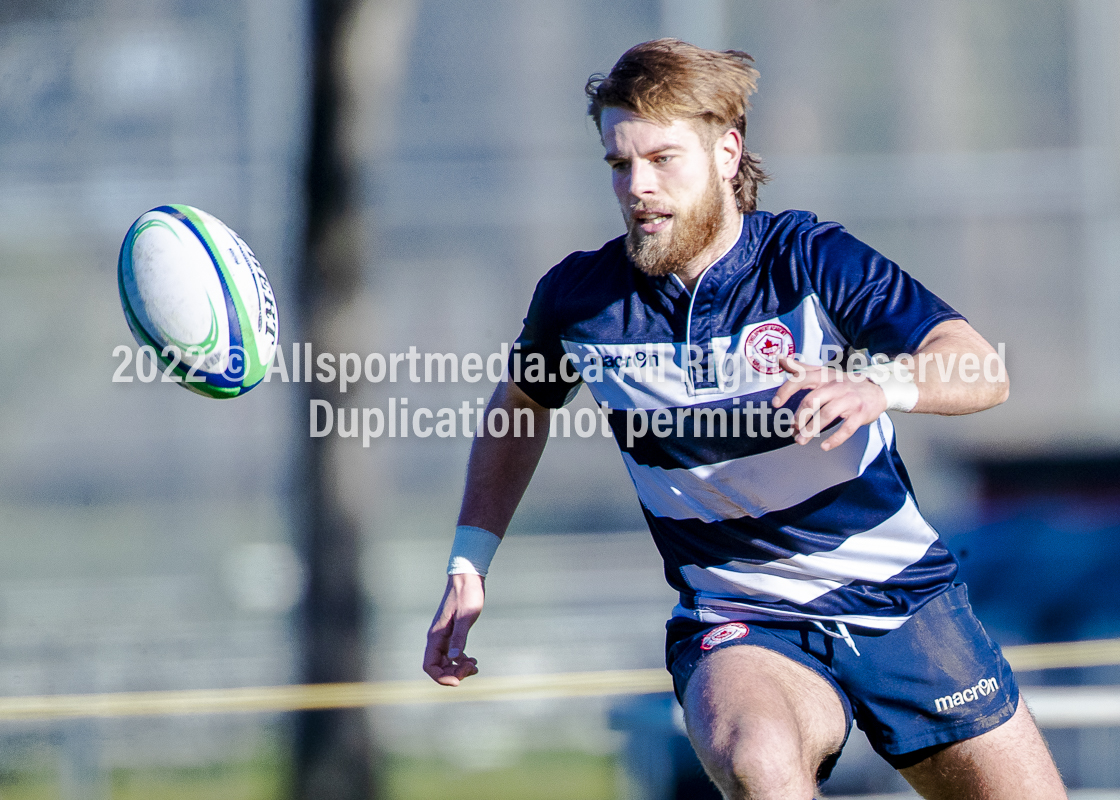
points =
(749, 523)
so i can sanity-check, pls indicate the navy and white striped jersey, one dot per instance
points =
(750, 524)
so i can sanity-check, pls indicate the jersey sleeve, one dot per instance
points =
(537, 363)
(872, 301)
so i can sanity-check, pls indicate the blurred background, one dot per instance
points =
(154, 539)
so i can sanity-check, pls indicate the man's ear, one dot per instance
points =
(728, 153)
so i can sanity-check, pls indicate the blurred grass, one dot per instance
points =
(24, 786)
(535, 776)
(221, 782)
(255, 781)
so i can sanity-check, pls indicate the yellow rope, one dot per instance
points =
(1097, 653)
(335, 695)
(482, 688)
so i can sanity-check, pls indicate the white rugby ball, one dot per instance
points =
(194, 292)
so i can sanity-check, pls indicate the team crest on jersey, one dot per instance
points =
(724, 633)
(766, 344)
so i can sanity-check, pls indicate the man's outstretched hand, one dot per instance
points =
(833, 395)
(444, 657)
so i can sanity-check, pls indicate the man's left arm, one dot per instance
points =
(952, 370)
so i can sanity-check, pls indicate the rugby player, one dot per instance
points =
(812, 592)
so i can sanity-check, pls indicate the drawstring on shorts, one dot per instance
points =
(841, 632)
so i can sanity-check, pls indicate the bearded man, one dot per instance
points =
(812, 592)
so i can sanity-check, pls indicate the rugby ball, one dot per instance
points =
(193, 291)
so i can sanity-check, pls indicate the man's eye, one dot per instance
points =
(619, 166)
(661, 159)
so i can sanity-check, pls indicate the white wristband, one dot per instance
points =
(897, 382)
(472, 551)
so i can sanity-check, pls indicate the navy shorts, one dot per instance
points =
(935, 680)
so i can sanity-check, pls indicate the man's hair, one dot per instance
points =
(667, 79)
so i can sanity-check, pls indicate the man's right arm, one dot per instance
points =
(498, 473)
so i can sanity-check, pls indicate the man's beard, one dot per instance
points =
(692, 230)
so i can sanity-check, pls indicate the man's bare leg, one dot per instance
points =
(1011, 762)
(761, 723)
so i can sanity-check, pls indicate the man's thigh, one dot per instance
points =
(1010, 762)
(762, 723)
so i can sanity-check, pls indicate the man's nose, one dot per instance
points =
(643, 181)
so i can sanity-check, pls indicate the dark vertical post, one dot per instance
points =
(334, 749)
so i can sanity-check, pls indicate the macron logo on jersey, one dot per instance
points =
(982, 689)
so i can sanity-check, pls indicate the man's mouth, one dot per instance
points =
(651, 221)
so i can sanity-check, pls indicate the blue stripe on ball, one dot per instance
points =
(236, 342)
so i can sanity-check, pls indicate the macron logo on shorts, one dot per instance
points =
(982, 689)
(724, 633)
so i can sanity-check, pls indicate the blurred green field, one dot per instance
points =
(535, 776)
(219, 782)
